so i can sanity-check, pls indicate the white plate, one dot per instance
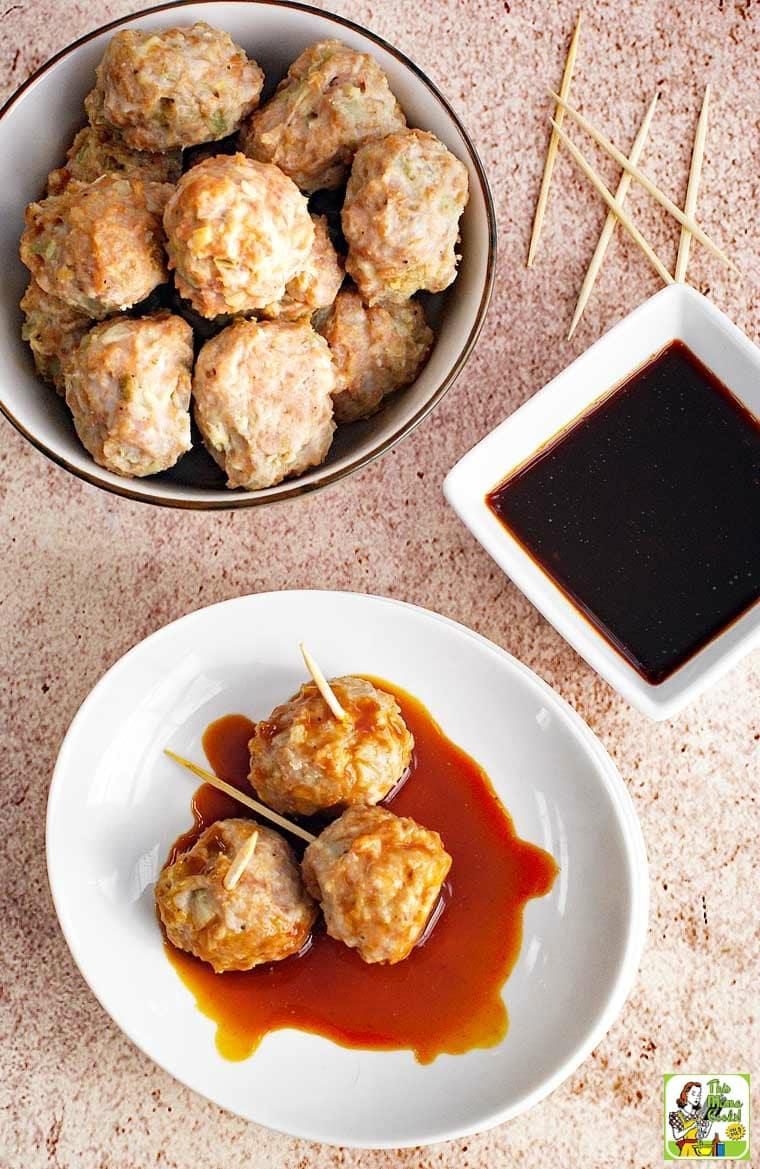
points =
(117, 803)
(674, 313)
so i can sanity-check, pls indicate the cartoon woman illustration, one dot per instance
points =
(689, 1124)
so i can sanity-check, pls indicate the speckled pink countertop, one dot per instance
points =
(86, 575)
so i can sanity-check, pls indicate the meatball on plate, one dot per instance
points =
(377, 877)
(196, 158)
(236, 898)
(304, 760)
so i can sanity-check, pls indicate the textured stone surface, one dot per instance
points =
(86, 575)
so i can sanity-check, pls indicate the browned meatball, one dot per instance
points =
(173, 88)
(98, 246)
(316, 285)
(262, 401)
(237, 232)
(304, 759)
(332, 100)
(401, 216)
(236, 899)
(53, 329)
(128, 389)
(377, 877)
(97, 150)
(375, 350)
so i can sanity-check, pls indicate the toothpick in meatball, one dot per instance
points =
(236, 898)
(305, 760)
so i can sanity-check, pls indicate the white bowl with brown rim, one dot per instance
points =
(33, 141)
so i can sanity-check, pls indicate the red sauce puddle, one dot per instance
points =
(446, 997)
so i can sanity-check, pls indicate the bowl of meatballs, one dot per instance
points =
(251, 251)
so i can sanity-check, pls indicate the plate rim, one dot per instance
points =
(630, 827)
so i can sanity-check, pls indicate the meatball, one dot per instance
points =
(236, 899)
(332, 100)
(305, 760)
(98, 246)
(53, 329)
(401, 215)
(98, 151)
(375, 351)
(262, 393)
(316, 286)
(378, 877)
(173, 88)
(128, 389)
(238, 231)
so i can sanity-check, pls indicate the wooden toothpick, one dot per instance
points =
(551, 150)
(644, 180)
(222, 786)
(240, 862)
(695, 174)
(323, 686)
(613, 204)
(610, 222)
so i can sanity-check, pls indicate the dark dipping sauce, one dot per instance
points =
(446, 996)
(646, 512)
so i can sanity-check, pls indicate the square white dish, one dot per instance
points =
(675, 313)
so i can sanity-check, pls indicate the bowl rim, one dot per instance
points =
(250, 499)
